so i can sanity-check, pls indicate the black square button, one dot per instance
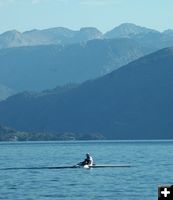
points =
(165, 193)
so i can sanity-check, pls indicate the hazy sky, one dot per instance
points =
(104, 14)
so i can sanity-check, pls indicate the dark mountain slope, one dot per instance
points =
(133, 102)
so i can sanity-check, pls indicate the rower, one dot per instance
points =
(88, 160)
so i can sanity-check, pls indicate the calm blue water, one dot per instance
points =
(152, 166)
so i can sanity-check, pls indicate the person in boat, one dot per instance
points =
(88, 160)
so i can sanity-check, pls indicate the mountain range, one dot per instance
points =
(58, 35)
(65, 36)
(65, 56)
(132, 102)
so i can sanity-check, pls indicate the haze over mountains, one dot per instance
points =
(64, 56)
(133, 102)
(44, 67)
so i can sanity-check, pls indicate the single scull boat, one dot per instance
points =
(67, 167)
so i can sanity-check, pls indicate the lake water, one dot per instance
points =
(152, 165)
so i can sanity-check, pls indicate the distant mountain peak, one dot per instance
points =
(134, 26)
(31, 31)
(126, 30)
(11, 32)
(128, 24)
(89, 33)
(11, 39)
